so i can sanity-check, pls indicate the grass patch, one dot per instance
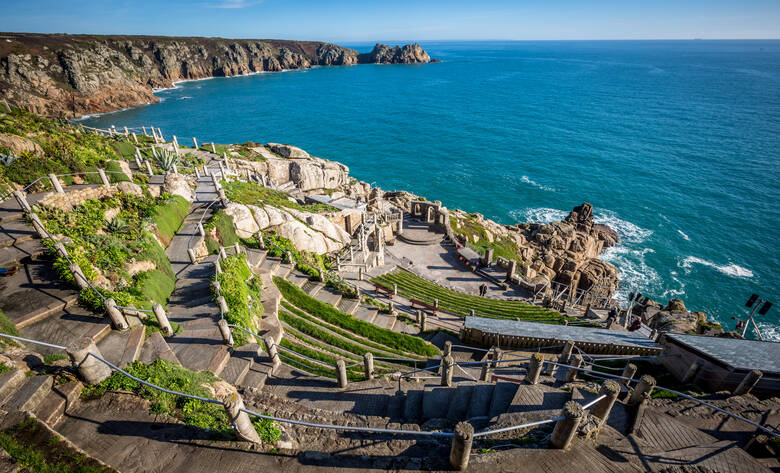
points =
(7, 327)
(54, 357)
(169, 214)
(330, 314)
(459, 303)
(221, 226)
(476, 237)
(254, 194)
(242, 295)
(173, 376)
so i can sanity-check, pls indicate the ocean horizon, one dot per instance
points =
(675, 143)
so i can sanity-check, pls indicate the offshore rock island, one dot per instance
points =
(75, 75)
(301, 319)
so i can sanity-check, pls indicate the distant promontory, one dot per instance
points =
(74, 75)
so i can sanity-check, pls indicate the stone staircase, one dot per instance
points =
(38, 395)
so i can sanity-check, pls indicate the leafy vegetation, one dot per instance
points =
(459, 303)
(39, 450)
(7, 327)
(254, 194)
(241, 291)
(165, 160)
(54, 357)
(173, 376)
(222, 229)
(169, 214)
(476, 236)
(330, 314)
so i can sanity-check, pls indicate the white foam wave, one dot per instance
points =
(538, 215)
(731, 269)
(770, 332)
(530, 181)
(684, 235)
(627, 231)
(633, 270)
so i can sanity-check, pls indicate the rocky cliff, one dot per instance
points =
(74, 75)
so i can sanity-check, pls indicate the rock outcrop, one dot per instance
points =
(674, 317)
(74, 75)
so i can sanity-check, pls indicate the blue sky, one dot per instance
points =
(400, 20)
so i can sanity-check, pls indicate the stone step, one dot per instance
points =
(235, 370)
(219, 360)
(503, 393)
(9, 382)
(255, 257)
(66, 326)
(435, 403)
(395, 406)
(112, 347)
(313, 287)
(459, 403)
(156, 348)
(480, 401)
(9, 215)
(329, 296)
(133, 346)
(283, 270)
(366, 314)
(348, 306)
(41, 313)
(256, 376)
(269, 264)
(15, 232)
(19, 253)
(30, 395)
(57, 402)
(413, 405)
(383, 320)
(297, 278)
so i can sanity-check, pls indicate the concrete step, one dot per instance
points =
(284, 269)
(459, 403)
(255, 257)
(366, 314)
(19, 253)
(395, 406)
(313, 287)
(348, 306)
(297, 278)
(503, 393)
(156, 348)
(66, 326)
(329, 296)
(54, 405)
(435, 403)
(15, 232)
(480, 401)
(219, 361)
(256, 376)
(133, 345)
(30, 395)
(413, 405)
(41, 313)
(235, 370)
(112, 347)
(270, 264)
(9, 383)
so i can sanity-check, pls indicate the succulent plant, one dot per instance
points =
(116, 225)
(164, 159)
(7, 159)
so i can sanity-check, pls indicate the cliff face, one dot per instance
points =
(74, 75)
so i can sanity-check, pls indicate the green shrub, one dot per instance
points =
(240, 293)
(173, 376)
(7, 327)
(225, 230)
(330, 314)
(115, 173)
(255, 194)
(154, 287)
(169, 214)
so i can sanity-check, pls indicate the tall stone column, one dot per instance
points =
(368, 361)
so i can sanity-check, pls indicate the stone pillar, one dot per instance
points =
(144, 129)
(117, 319)
(224, 330)
(391, 307)
(222, 303)
(645, 385)
(223, 198)
(395, 289)
(195, 142)
(639, 412)
(320, 275)
(423, 320)
(748, 382)
(341, 372)
(566, 428)
(379, 246)
(56, 183)
(78, 275)
(400, 223)
(213, 148)
(563, 358)
(175, 168)
(571, 373)
(447, 348)
(487, 258)
(691, 372)
(217, 267)
(162, 320)
(21, 198)
(273, 354)
(609, 388)
(237, 248)
(534, 368)
(103, 178)
(149, 168)
(260, 240)
(240, 419)
(368, 361)
(206, 170)
(201, 230)
(447, 368)
(628, 372)
(511, 269)
(215, 181)
(222, 171)
(360, 273)
(460, 451)
(90, 368)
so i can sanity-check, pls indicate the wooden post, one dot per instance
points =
(644, 386)
(224, 330)
(609, 388)
(571, 373)
(460, 450)
(103, 178)
(639, 412)
(448, 366)
(341, 370)
(748, 382)
(56, 183)
(566, 428)
(117, 319)
(273, 354)
(534, 368)
(149, 168)
(368, 362)
(90, 368)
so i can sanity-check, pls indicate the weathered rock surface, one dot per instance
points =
(674, 318)
(20, 145)
(306, 172)
(181, 185)
(74, 75)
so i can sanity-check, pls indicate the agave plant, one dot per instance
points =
(164, 159)
(116, 225)
(7, 159)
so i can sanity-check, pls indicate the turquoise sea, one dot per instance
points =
(676, 144)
